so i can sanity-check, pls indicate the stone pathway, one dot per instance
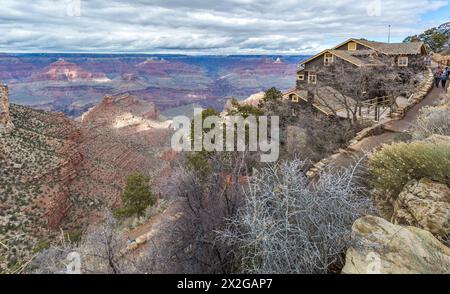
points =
(404, 124)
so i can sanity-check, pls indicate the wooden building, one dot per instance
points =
(355, 53)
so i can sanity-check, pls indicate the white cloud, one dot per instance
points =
(203, 26)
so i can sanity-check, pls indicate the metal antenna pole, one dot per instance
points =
(389, 35)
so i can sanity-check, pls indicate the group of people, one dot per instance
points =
(441, 76)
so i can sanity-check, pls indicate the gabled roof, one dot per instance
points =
(314, 57)
(411, 48)
(349, 57)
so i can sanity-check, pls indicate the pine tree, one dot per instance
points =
(136, 196)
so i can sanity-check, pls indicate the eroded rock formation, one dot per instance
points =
(424, 204)
(381, 247)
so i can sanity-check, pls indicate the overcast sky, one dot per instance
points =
(208, 26)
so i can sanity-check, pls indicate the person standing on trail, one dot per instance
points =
(129, 241)
(437, 77)
(444, 79)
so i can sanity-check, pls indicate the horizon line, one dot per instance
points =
(146, 53)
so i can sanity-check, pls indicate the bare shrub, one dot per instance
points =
(53, 260)
(101, 248)
(101, 252)
(210, 199)
(324, 135)
(289, 225)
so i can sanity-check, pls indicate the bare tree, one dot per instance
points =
(102, 249)
(289, 225)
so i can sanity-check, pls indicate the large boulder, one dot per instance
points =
(424, 204)
(381, 247)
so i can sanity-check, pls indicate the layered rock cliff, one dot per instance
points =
(58, 173)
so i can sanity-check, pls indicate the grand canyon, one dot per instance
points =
(74, 127)
(72, 83)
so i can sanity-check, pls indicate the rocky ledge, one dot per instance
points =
(381, 247)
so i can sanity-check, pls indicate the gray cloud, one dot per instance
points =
(203, 26)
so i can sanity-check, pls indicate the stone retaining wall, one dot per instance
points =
(318, 167)
(422, 90)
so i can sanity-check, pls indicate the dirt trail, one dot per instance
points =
(158, 232)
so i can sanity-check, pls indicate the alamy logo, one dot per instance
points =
(373, 260)
(74, 263)
(374, 8)
(230, 133)
(73, 8)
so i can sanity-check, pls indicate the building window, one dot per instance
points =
(402, 61)
(328, 59)
(294, 98)
(312, 78)
(351, 46)
(301, 77)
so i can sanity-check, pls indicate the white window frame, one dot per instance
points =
(312, 78)
(403, 61)
(301, 77)
(328, 59)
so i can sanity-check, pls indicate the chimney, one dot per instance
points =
(415, 39)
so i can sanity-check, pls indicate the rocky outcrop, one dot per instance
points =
(381, 247)
(60, 173)
(114, 111)
(4, 105)
(252, 100)
(424, 204)
(62, 70)
(5, 119)
(120, 135)
(441, 59)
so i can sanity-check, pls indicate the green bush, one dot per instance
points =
(41, 245)
(75, 236)
(136, 196)
(395, 165)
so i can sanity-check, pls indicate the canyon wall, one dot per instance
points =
(4, 105)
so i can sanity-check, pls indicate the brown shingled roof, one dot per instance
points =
(393, 48)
